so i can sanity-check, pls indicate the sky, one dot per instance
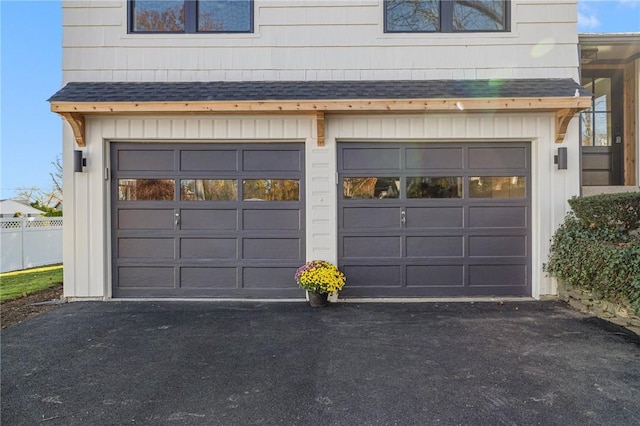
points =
(30, 72)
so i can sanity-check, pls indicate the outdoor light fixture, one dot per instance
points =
(78, 161)
(561, 159)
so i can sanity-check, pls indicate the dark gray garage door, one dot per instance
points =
(207, 220)
(434, 219)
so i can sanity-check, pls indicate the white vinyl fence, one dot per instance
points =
(27, 242)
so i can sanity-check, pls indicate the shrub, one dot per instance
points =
(599, 250)
(608, 210)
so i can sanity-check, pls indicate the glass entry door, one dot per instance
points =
(601, 130)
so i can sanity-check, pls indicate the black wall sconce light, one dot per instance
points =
(561, 159)
(78, 161)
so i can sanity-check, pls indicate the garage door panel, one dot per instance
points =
(492, 246)
(148, 277)
(269, 277)
(371, 217)
(435, 217)
(208, 277)
(146, 160)
(271, 248)
(432, 246)
(206, 238)
(271, 160)
(372, 276)
(435, 275)
(498, 217)
(498, 158)
(146, 248)
(498, 275)
(145, 219)
(371, 247)
(434, 158)
(218, 160)
(271, 219)
(209, 248)
(209, 220)
(371, 159)
(465, 229)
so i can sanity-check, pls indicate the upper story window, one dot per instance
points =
(446, 16)
(191, 16)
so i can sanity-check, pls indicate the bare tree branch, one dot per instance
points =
(484, 9)
(56, 175)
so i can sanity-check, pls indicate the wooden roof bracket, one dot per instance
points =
(563, 118)
(76, 121)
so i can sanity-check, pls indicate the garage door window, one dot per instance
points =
(208, 190)
(497, 187)
(146, 189)
(369, 188)
(271, 190)
(434, 187)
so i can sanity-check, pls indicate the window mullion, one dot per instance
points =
(446, 16)
(190, 16)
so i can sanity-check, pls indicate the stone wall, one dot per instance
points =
(586, 302)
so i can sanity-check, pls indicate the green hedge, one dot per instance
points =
(608, 210)
(600, 250)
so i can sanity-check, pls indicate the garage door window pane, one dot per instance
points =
(208, 190)
(497, 187)
(271, 190)
(434, 187)
(368, 188)
(146, 189)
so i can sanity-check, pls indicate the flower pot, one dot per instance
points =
(317, 300)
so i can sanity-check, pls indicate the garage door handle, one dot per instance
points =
(403, 217)
(177, 219)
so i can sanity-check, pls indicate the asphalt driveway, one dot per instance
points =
(201, 363)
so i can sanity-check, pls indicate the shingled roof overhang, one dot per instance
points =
(564, 97)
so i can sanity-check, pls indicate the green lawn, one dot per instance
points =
(20, 283)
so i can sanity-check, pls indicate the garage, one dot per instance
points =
(435, 219)
(206, 220)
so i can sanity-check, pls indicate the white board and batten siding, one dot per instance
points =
(550, 187)
(90, 249)
(318, 40)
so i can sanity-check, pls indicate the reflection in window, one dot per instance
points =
(497, 187)
(208, 190)
(434, 187)
(595, 123)
(367, 188)
(479, 15)
(412, 15)
(191, 16)
(158, 16)
(146, 189)
(225, 15)
(271, 190)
